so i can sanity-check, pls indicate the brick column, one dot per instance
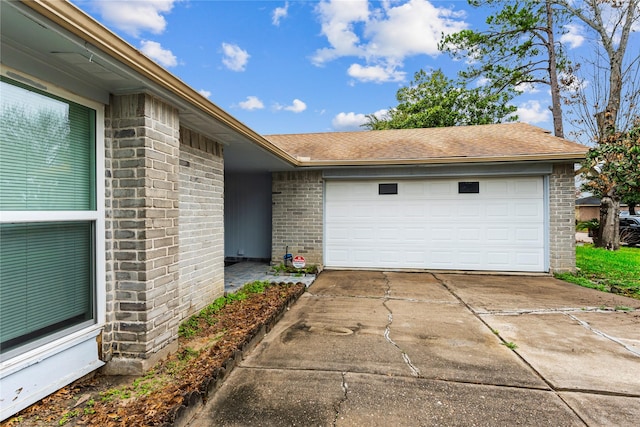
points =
(562, 232)
(142, 133)
(297, 210)
(201, 222)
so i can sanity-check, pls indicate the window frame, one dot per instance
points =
(95, 216)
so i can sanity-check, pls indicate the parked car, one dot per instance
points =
(630, 229)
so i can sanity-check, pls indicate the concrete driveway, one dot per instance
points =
(419, 349)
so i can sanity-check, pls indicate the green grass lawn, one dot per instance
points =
(602, 269)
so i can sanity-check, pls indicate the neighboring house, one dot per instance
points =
(122, 190)
(588, 208)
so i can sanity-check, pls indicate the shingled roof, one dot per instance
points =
(496, 142)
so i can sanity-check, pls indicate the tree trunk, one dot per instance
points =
(609, 232)
(632, 208)
(556, 106)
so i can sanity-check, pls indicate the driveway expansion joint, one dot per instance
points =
(564, 310)
(630, 349)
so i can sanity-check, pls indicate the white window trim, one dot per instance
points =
(97, 215)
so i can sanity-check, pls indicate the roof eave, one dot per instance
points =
(559, 157)
(74, 20)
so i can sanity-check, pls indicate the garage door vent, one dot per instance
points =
(468, 187)
(387, 188)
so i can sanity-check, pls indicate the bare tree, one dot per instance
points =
(615, 81)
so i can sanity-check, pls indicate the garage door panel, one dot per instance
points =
(528, 188)
(441, 233)
(438, 188)
(531, 259)
(527, 210)
(531, 235)
(470, 235)
(415, 210)
(470, 259)
(364, 255)
(428, 224)
(500, 235)
(442, 258)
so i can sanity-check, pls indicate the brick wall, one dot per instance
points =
(201, 222)
(142, 140)
(562, 239)
(297, 209)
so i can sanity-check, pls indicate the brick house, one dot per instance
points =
(123, 190)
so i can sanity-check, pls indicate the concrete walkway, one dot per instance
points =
(402, 349)
(241, 273)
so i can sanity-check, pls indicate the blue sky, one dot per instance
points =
(302, 66)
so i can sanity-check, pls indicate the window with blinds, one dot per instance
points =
(47, 169)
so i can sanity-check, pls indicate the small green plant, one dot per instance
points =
(115, 393)
(623, 308)
(191, 326)
(88, 408)
(68, 416)
(187, 354)
(495, 331)
(510, 345)
(591, 225)
(279, 268)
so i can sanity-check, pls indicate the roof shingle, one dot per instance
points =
(496, 142)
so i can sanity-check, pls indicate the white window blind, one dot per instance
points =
(47, 168)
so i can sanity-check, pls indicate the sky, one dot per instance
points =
(304, 66)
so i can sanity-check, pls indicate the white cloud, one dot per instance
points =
(375, 73)
(279, 13)
(383, 33)
(156, 52)
(527, 88)
(572, 37)
(252, 103)
(353, 121)
(296, 106)
(338, 19)
(532, 112)
(482, 81)
(412, 28)
(235, 58)
(204, 93)
(134, 17)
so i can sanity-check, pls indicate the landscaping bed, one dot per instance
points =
(210, 344)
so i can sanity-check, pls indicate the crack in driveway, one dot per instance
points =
(387, 332)
(345, 390)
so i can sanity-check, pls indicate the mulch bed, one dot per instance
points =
(177, 386)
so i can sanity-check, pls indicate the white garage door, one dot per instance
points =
(494, 224)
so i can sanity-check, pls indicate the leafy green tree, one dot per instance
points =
(518, 48)
(433, 100)
(613, 171)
